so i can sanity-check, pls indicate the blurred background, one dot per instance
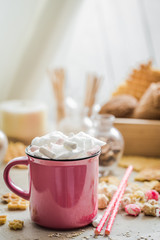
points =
(72, 55)
(106, 37)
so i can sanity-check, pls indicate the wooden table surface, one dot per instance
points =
(125, 227)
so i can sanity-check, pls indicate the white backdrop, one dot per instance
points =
(108, 37)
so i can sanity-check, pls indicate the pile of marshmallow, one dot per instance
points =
(133, 202)
(138, 202)
(56, 145)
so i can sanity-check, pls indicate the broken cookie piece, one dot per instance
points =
(19, 204)
(16, 224)
(110, 179)
(148, 174)
(140, 163)
(8, 197)
(3, 219)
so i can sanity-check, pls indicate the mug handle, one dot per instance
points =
(8, 181)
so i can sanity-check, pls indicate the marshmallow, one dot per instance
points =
(94, 141)
(133, 209)
(106, 189)
(140, 205)
(80, 141)
(138, 196)
(150, 210)
(56, 145)
(33, 148)
(52, 137)
(152, 194)
(57, 148)
(35, 141)
(93, 150)
(128, 190)
(111, 190)
(70, 145)
(126, 200)
(96, 220)
(70, 155)
(40, 141)
(56, 136)
(102, 188)
(102, 201)
(38, 154)
(47, 152)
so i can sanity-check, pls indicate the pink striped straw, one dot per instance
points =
(115, 210)
(122, 184)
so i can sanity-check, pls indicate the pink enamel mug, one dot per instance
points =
(62, 193)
